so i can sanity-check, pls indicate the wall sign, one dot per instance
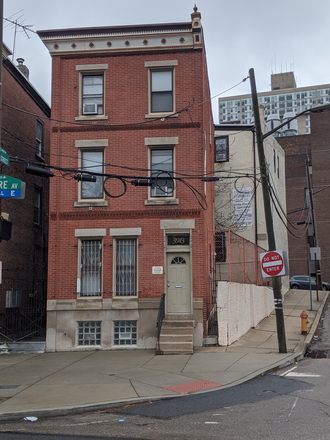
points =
(157, 270)
(242, 206)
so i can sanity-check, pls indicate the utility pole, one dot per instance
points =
(268, 216)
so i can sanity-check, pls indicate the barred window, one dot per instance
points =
(90, 268)
(126, 267)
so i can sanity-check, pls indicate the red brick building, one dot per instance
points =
(297, 148)
(129, 103)
(25, 138)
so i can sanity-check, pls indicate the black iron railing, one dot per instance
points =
(160, 317)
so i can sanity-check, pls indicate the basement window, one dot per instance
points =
(125, 332)
(89, 333)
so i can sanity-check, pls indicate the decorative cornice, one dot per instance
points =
(147, 213)
(130, 38)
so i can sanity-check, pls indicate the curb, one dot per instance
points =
(53, 412)
(302, 347)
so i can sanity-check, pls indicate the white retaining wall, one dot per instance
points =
(241, 307)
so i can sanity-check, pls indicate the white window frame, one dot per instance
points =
(158, 66)
(90, 145)
(85, 235)
(162, 143)
(125, 234)
(91, 69)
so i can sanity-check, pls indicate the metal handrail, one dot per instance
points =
(160, 317)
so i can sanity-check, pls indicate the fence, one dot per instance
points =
(237, 259)
(22, 307)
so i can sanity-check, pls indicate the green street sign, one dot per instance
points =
(4, 157)
(11, 187)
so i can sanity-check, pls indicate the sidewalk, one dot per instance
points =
(65, 382)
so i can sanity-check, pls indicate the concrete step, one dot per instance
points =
(175, 348)
(26, 347)
(177, 331)
(176, 338)
(178, 324)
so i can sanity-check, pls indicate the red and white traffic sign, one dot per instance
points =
(272, 264)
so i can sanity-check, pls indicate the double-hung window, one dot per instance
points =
(90, 267)
(92, 91)
(162, 172)
(39, 138)
(221, 149)
(126, 270)
(92, 162)
(161, 91)
(92, 94)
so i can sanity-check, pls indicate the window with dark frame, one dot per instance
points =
(39, 138)
(92, 161)
(161, 83)
(37, 207)
(220, 247)
(92, 94)
(221, 149)
(162, 172)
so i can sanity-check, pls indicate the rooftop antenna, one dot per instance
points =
(18, 26)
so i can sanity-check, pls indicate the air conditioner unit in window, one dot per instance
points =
(161, 191)
(90, 109)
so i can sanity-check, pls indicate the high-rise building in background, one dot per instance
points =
(284, 101)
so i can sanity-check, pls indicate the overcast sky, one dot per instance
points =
(270, 36)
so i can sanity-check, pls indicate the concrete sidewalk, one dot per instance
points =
(66, 382)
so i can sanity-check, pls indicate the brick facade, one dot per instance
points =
(127, 132)
(296, 183)
(24, 256)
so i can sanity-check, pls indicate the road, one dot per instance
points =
(293, 403)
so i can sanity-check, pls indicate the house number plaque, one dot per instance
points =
(178, 240)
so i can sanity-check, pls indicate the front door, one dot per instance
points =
(178, 298)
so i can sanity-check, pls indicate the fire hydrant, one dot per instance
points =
(304, 320)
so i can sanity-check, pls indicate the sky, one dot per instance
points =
(266, 35)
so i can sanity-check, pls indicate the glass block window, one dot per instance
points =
(89, 333)
(125, 332)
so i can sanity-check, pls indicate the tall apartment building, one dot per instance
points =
(283, 101)
(120, 109)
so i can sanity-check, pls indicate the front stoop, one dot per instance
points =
(176, 337)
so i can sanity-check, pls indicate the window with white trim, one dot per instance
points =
(92, 161)
(92, 94)
(162, 172)
(161, 85)
(90, 267)
(125, 266)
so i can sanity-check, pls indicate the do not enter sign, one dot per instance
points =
(272, 264)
